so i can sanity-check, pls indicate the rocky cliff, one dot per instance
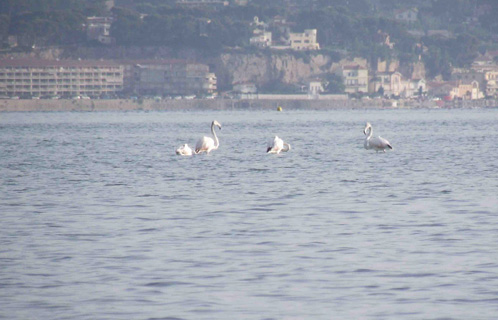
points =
(263, 68)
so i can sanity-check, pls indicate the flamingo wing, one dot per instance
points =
(275, 146)
(184, 150)
(379, 143)
(204, 144)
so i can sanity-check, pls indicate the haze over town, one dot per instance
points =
(249, 49)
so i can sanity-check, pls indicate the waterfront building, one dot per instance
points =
(467, 91)
(315, 88)
(244, 90)
(461, 90)
(355, 79)
(390, 82)
(492, 84)
(469, 75)
(171, 77)
(37, 78)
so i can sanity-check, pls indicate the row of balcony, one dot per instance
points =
(58, 69)
(59, 81)
(27, 87)
(60, 75)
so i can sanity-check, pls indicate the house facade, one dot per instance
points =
(387, 82)
(466, 91)
(355, 79)
(416, 87)
(244, 90)
(456, 90)
(245, 87)
(469, 75)
(315, 87)
(491, 78)
(304, 41)
(441, 89)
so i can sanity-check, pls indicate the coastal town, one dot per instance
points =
(278, 62)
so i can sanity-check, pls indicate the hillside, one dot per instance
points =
(439, 34)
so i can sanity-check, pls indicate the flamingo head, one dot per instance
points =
(216, 123)
(367, 126)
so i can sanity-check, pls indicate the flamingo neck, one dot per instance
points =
(366, 144)
(216, 141)
(370, 133)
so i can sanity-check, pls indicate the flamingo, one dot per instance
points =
(277, 145)
(184, 150)
(375, 143)
(206, 144)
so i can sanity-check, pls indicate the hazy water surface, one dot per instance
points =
(99, 219)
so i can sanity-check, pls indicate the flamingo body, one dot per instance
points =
(184, 150)
(277, 145)
(374, 143)
(207, 144)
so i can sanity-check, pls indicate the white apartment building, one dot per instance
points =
(33, 77)
(172, 77)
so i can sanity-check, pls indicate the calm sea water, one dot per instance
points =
(99, 219)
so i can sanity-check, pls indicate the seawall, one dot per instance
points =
(7, 105)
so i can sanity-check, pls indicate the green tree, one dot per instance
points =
(4, 26)
(128, 29)
(334, 83)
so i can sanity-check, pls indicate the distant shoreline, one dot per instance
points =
(226, 104)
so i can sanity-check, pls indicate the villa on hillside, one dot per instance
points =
(406, 15)
(304, 41)
(261, 39)
(99, 28)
